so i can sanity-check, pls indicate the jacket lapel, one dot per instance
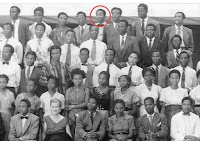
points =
(86, 30)
(146, 123)
(32, 73)
(96, 122)
(139, 26)
(185, 36)
(27, 124)
(126, 45)
(172, 57)
(19, 124)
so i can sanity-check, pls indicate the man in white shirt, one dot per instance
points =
(188, 78)
(21, 28)
(185, 125)
(178, 28)
(82, 31)
(97, 48)
(139, 26)
(69, 52)
(40, 45)
(10, 68)
(108, 66)
(101, 15)
(18, 49)
(38, 15)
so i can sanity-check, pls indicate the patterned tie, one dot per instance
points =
(183, 79)
(108, 71)
(38, 48)
(122, 43)
(68, 57)
(143, 28)
(93, 52)
(151, 122)
(82, 30)
(130, 72)
(28, 73)
(91, 117)
(156, 76)
(177, 55)
(150, 41)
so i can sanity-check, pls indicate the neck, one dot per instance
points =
(179, 25)
(24, 114)
(122, 34)
(39, 37)
(183, 67)
(9, 36)
(55, 62)
(62, 26)
(6, 60)
(174, 87)
(83, 62)
(119, 115)
(30, 94)
(109, 63)
(15, 19)
(102, 86)
(92, 110)
(124, 89)
(144, 17)
(151, 113)
(77, 86)
(52, 92)
(93, 38)
(55, 115)
(158, 64)
(148, 84)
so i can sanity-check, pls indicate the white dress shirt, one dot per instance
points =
(85, 69)
(45, 99)
(183, 125)
(148, 40)
(148, 116)
(190, 77)
(175, 53)
(45, 44)
(115, 24)
(46, 33)
(100, 35)
(13, 71)
(31, 70)
(145, 22)
(194, 93)
(198, 66)
(100, 51)
(136, 75)
(114, 74)
(74, 54)
(18, 49)
(24, 120)
(181, 29)
(1, 34)
(16, 27)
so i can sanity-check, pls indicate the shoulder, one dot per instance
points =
(169, 28)
(46, 118)
(10, 93)
(192, 70)
(177, 116)
(196, 117)
(186, 28)
(81, 114)
(13, 118)
(135, 22)
(44, 95)
(112, 118)
(76, 29)
(153, 21)
(34, 117)
(161, 115)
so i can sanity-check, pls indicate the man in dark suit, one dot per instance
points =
(138, 27)
(161, 77)
(111, 30)
(24, 126)
(90, 124)
(147, 44)
(178, 28)
(21, 28)
(123, 44)
(82, 31)
(30, 71)
(85, 66)
(152, 126)
(173, 56)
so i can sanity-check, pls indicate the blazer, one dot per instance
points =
(137, 31)
(89, 74)
(171, 31)
(172, 62)
(131, 44)
(163, 77)
(84, 124)
(36, 74)
(23, 33)
(30, 130)
(146, 51)
(159, 126)
(86, 34)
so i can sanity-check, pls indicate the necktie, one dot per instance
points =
(130, 72)
(143, 28)
(93, 52)
(84, 64)
(150, 41)
(150, 119)
(38, 48)
(179, 31)
(183, 79)
(14, 29)
(22, 117)
(177, 55)
(156, 76)
(68, 57)
(91, 117)
(28, 73)
(108, 71)
(82, 30)
(122, 42)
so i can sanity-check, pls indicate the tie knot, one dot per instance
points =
(186, 114)
(150, 39)
(84, 64)
(94, 41)
(69, 45)
(22, 117)
(5, 62)
(143, 20)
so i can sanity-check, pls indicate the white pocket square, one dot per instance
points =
(159, 124)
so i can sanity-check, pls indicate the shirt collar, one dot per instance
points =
(15, 21)
(152, 39)
(102, 23)
(150, 115)
(185, 67)
(186, 114)
(83, 26)
(25, 115)
(122, 36)
(93, 113)
(154, 67)
(176, 27)
(93, 40)
(145, 20)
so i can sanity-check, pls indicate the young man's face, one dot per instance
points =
(30, 59)
(183, 58)
(14, 13)
(84, 55)
(100, 16)
(156, 59)
(142, 12)
(109, 56)
(116, 15)
(7, 31)
(94, 31)
(55, 54)
(122, 28)
(38, 15)
(69, 37)
(150, 31)
(178, 19)
(23, 108)
(81, 19)
(6, 54)
(176, 42)
(39, 31)
(186, 106)
(92, 104)
(149, 106)
(62, 19)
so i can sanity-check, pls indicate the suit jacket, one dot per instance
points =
(159, 126)
(131, 44)
(23, 33)
(171, 31)
(146, 51)
(137, 29)
(84, 124)
(89, 74)
(30, 130)
(36, 74)
(85, 37)
(163, 77)
(172, 62)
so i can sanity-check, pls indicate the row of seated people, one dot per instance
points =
(167, 100)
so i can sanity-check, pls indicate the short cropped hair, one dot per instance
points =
(31, 53)
(81, 12)
(119, 101)
(187, 98)
(149, 98)
(28, 103)
(124, 21)
(182, 52)
(54, 78)
(143, 5)
(111, 50)
(11, 48)
(174, 71)
(117, 8)
(18, 9)
(54, 47)
(151, 25)
(183, 14)
(102, 10)
(41, 9)
(84, 49)
(62, 13)
(9, 24)
(178, 36)
(41, 24)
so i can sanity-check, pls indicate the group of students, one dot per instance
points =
(98, 83)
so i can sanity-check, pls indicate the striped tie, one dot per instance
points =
(177, 56)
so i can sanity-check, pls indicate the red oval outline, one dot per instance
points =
(91, 16)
